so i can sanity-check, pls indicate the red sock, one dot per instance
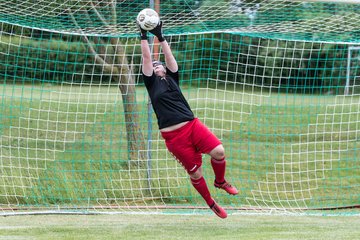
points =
(201, 187)
(219, 169)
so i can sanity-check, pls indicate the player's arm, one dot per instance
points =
(147, 67)
(170, 60)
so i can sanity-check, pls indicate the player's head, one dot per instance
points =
(159, 68)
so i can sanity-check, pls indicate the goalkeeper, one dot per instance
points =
(186, 137)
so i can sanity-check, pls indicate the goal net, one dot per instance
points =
(277, 81)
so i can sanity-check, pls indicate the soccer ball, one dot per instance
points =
(148, 19)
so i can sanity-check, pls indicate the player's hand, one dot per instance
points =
(157, 31)
(143, 33)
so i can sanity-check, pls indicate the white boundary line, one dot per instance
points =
(330, 1)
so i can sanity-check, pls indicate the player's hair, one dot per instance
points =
(155, 63)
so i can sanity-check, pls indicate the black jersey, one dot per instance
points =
(169, 104)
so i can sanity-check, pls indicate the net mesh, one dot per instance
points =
(268, 18)
(276, 81)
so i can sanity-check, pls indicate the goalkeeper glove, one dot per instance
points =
(157, 31)
(143, 33)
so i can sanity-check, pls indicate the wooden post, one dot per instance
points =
(156, 41)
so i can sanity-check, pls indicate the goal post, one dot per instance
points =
(353, 52)
(276, 81)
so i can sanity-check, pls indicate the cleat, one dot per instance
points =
(219, 211)
(227, 187)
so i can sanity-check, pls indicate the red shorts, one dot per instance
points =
(188, 143)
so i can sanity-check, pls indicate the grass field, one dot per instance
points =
(130, 227)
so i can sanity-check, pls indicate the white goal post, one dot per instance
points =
(348, 68)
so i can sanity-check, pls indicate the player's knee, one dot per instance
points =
(196, 175)
(218, 153)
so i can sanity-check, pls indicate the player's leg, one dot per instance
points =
(191, 160)
(207, 142)
(199, 183)
(218, 164)
(181, 146)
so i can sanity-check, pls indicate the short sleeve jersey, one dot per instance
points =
(169, 104)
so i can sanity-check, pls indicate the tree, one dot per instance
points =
(117, 64)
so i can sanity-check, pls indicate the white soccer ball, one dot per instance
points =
(148, 19)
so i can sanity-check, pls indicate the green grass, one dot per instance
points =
(129, 227)
(283, 150)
